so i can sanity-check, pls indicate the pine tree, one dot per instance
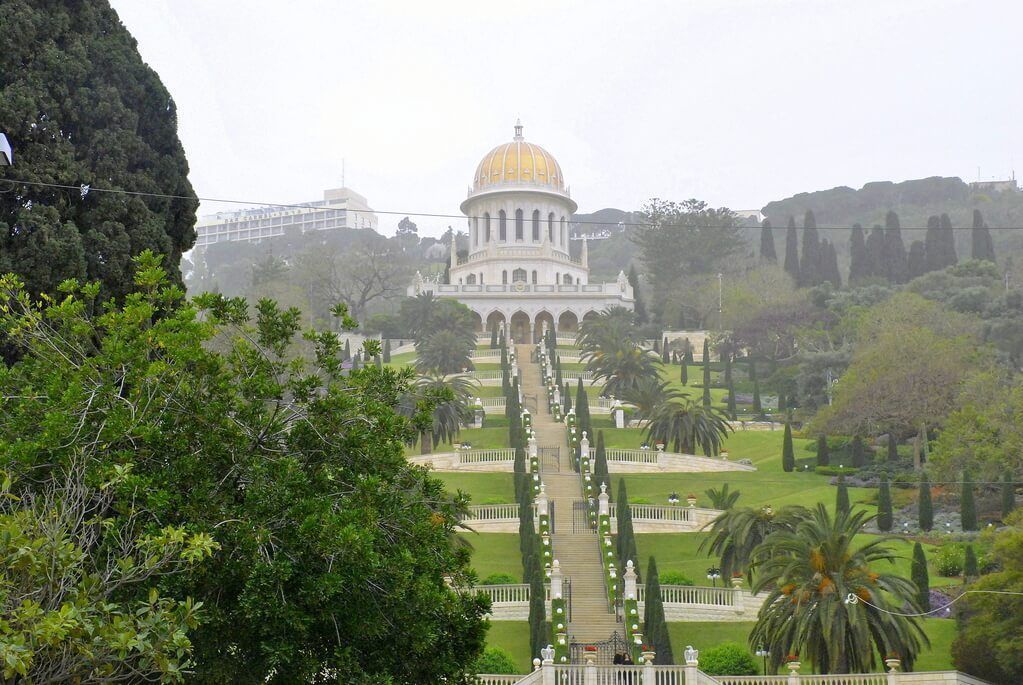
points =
(884, 505)
(823, 455)
(829, 264)
(970, 564)
(893, 448)
(894, 250)
(788, 455)
(1008, 495)
(758, 408)
(859, 262)
(876, 252)
(767, 252)
(920, 577)
(706, 373)
(792, 250)
(981, 244)
(640, 308)
(916, 261)
(925, 508)
(842, 497)
(967, 505)
(582, 410)
(387, 351)
(655, 627)
(348, 350)
(566, 396)
(858, 452)
(626, 538)
(811, 260)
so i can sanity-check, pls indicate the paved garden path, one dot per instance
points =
(576, 549)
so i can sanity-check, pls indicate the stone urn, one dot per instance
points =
(737, 582)
(648, 656)
(893, 664)
(793, 667)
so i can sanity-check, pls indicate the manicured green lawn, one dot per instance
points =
(489, 391)
(495, 553)
(488, 366)
(485, 488)
(512, 637)
(402, 359)
(703, 635)
(480, 438)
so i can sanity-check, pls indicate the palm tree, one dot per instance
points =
(827, 603)
(684, 424)
(622, 368)
(737, 533)
(444, 352)
(610, 328)
(648, 394)
(439, 405)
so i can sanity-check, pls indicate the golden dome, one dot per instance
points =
(518, 163)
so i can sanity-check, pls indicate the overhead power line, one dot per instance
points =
(853, 598)
(86, 189)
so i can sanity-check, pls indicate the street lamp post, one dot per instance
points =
(763, 654)
(712, 575)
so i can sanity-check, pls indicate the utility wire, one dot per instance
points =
(86, 189)
(853, 598)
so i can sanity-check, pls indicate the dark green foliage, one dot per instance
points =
(970, 563)
(823, 454)
(858, 452)
(810, 272)
(600, 470)
(980, 239)
(665, 353)
(925, 507)
(566, 396)
(1008, 495)
(788, 457)
(829, 265)
(767, 251)
(876, 252)
(916, 262)
(893, 448)
(727, 658)
(493, 338)
(894, 250)
(859, 262)
(387, 351)
(626, 538)
(640, 309)
(729, 384)
(884, 505)
(582, 410)
(495, 660)
(757, 406)
(348, 350)
(842, 496)
(378, 362)
(791, 264)
(920, 577)
(80, 106)
(684, 373)
(655, 626)
(537, 612)
(706, 373)
(967, 504)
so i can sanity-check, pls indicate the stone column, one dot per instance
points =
(737, 596)
(590, 669)
(692, 664)
(630, 581)
(542, 503)
(556, 580)
(649, 675)
(584, 447)
(618, 414)
(603, 508)
(531, 444)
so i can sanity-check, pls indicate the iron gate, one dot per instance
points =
(605, 649)
(581, 517)
(550, 459)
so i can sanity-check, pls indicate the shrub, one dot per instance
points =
(495, 660)
(675, 578)
(833, 471)
(728, 658)
(499, 579)
(884, 505)
(949, 560)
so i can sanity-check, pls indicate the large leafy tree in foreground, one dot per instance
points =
(81, 107)
(199, 431)
(809, 572)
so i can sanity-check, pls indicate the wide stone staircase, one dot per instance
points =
(575, 544)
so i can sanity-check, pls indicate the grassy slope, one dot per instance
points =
(485, 488)
(495, 553)
(512, 637)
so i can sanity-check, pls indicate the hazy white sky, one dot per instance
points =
(737, 102)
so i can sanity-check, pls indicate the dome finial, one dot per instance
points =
(518, 129)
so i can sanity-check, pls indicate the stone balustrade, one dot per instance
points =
(486, 354)
(653, 461)
(492, 402)
(511, 602)
(499, 460)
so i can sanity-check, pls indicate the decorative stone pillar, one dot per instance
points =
(893, 664)
(584, 447)
(649, 675)
(630, 581)
(531, 445)
(793, 667)
(557, 580)
(542, 502)
(692, 657)
(737, 595)
(603, 507)
(557, 394)
(618, 414)
(590, 669)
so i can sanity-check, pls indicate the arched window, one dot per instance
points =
(518, 224)
(550, 227)
(564, 233)
(568, 279)
(486, 227)
(475, 231)
(502, 226)
(519, 276)
(534, 277)
(504, 277)
(557, 277)
(470, 279)
(536, 225)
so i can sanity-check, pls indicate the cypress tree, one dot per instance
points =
(387, 351)
(875, 252)
(684, 374)
(916, 261)
(967, 505)
(970, 564)
(788, 455)
(537, 608)
(600, 470)
(933, 247)
(706, 373)
(640, 308)
(859, 266)
(811, 260)
(689, 353)
(767, 252)
(657, 346)
(757, 407)
(893, 448)
(823, 455)
(348, 350)
(842, 497)
(665, 353)
(829, 264)
(925, 508)
(884, 505)
(726, 356)
(355, 363)
(792, 250)
(921, 578)
(566, 396)
(582, 410)
(1008, 495)
(982, 247)
(948, 240)
(519, 468)
(894, 250)
(655, 627)
(493, 338)
(858, 452)
(626, 537)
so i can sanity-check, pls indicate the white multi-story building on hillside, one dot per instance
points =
(339, 208)
(519, 271)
